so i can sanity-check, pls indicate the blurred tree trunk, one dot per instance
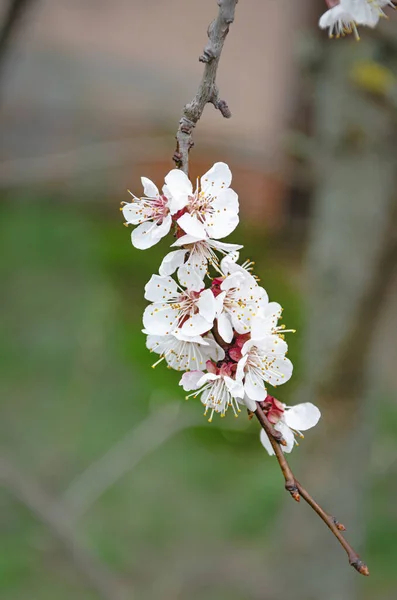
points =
(12, 19)
(350, 264)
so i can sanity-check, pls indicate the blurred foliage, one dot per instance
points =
(192, 519)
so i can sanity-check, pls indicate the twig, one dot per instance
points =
(50, 512)
(208, 90)
(297, 490)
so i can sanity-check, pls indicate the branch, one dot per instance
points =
(49, 511)
(208, 90)
(297, 490)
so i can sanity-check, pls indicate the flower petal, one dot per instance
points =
(192, 226)
(134, 213)
(191, 277)
(179, 187)
(279, 372)
(254, 386)
(223, 246)
(224, 219)
(172, 261)
(287, 435)
(196, 325)
(302, 416)
(148, 234)
(236, 388)
(217, 178)
(225, 328)
(160, 289)
(266, 442)
(207, 305)
(149, 189)
(250, 404)
(190, 379)
(160, 319)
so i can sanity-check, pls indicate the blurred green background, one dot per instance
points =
(113, 485)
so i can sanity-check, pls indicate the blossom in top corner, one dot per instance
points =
(288, 420)
(343, 16)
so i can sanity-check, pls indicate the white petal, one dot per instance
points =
(287, 435)
(134, 213)
(187, 239)
(196, 325)
(208, 377)
(234, 280)
(192, 226)
(250, 404)
(302, 416)
(217, 178)
(207, 306)
(160, 319)
(236, 388)
(280, 371)
(190, 379)
(225, 328)
(178, 183)
(223, 246)
(191, 277)
(160, 289)
(240, 368)
(149, 189)
(254, 386)
(172, 261)
(215, 351)
(148, 234)
(179, 335)
(266, 442)
(224, 219)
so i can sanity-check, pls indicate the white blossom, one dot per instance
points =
(240, 300)
(193, 258)
(174, 308)
(263, 355)
(293, 421)
(343, 17)
(212, 209)
(152, 213)
(184, 353)
(218, 391)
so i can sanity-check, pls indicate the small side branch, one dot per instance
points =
(297, 491)
(208, 90)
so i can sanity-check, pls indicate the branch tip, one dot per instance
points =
(360, 566)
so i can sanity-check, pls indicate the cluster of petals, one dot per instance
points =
(207, 314)
(343, 16)
(289, 421)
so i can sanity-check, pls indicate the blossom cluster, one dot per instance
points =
(343, 16)
(207, 314)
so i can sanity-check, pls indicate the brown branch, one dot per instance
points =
(297, 490)
(208, 90)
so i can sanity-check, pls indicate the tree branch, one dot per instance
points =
(297, 490)
(208, 90)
